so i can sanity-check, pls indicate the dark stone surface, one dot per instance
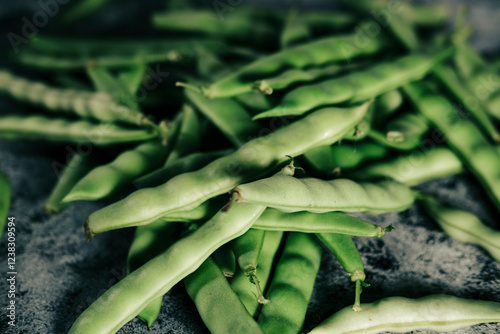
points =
(60, 274)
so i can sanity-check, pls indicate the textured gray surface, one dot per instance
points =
(60, 274)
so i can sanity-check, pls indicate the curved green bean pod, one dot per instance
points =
(203, 211)
(361, 130)
(438, 313)
(225, 260)
(98, 106)
(77, 168)
(463, 226)
(150, 241)
(68, 131)
(186, 164)
(295, 30)
(106, 180)
(316, 53)
(218, 305)
(253, 159)
(255, 101)
(5, 198)
(413, 168)
(155, 278)
(290, 194)
(477, 154)
(228, 116)
(292, 285)
(307, 222)
(133, 77)
(239, 283)
(386, 105)
(404, 132)
(343, 248)
(357, 86)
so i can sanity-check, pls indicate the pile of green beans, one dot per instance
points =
(284, 125)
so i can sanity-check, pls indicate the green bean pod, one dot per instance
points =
(239, 283)
(225, 260)
(150, 241)
(98, 106)
(68, 131)
(316, 53)
(386, 105)
(186, 164)
(77, 168)
(203, 211)
(307, 222)
(251, 160)
(356, 86)
(404, 132)
(5, 198)
(255, 101)
(477, 154)
(344, 249)
(133, 77)
(438, 313)
(463, 226)
(218, 305)
(362, 129)
(108, 179)
(290, 194)
(228, 116)
(128, 297)
(295, 30)
(414, 168)
(292, 285)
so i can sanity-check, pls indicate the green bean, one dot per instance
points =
(463, 137)
(290, 194)
(82, 9)
(128, 297)
(203, 211)
(413, 168)
(316, 53)
(357, 86)
(456, 87)
(404, 132)
(494, 107)
(438, 313)
(208, 65)
(68, 131)
(133, 77)
(386, 105)
(5, 198)
(253, 159)
(321, 23)
(239, 283)
(463, 226)
(295, 30)
(185, 164)
(225, 260)
(228, 116)
(291, 286)
(307, 222)
(77, 168)
(345, 251)
(150, 241)
(98, 106)
(108, 179)
(361, 130)
(255, 101)
(218, 305)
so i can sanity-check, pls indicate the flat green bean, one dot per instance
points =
(255, 101)
(356, 86)
(5, 198)
(218, 305)
(251, 160)
(438, 313)
(225, 260)
(68, 131)
(203, 211)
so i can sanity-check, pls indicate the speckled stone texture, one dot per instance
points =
(60, 273)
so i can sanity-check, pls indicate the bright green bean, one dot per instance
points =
(218, 305)
(256, 101)
(253, 159)
(316, 53)
(225, 260)
(68, 131)
(463, 226)
(362, 129)
(290, 194)
(413, 168)
(477, 154)
(239, 283)
(357, 86)
(108, 179)
(128, 297)
(295, 30)
(77, 168)
(291, 286)
(5, 198)
(438, 313)
(203, 211)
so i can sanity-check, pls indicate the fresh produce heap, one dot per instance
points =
(284, 122)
